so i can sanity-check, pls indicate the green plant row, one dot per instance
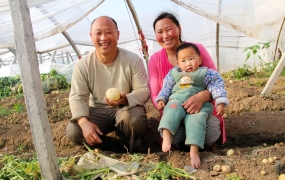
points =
(50, 81)
(16, 168)
(260, 67)
(13, 167)
(17, 108)
(244, 72)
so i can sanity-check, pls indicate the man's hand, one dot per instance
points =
(220, 109)
(194, 103)
(122, 100)
(90, 131)
(160, 105)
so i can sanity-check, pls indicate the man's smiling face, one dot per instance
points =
(104, 35)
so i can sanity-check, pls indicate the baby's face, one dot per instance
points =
(188, 59)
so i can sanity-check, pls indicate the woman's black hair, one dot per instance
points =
(170, 16)
(187, 45)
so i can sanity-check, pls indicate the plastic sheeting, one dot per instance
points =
(243, 23)
(48, 17)
(255, 18)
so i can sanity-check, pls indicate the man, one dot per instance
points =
(93, 115)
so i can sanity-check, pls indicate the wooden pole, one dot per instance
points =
(278, 39)
(33, 92)
(278, 69)
(218, 38)
(218, 45)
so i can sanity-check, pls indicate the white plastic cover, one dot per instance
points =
(243, 23)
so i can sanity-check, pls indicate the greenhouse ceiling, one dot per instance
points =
(243, 23)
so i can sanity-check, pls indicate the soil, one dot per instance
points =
(254, 126)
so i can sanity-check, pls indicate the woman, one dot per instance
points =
(168, 35)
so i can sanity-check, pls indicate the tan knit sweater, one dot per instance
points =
(91, 79)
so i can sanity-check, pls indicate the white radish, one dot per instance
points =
(264, 161)
(217, 168)
(270, 160)
(281, 177)
(226, 169)
(263, 172)
(230, 152)
(113, 94)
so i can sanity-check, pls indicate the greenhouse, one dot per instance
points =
(245, 39)
(232, 25)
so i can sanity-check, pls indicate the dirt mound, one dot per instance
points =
(252, 121)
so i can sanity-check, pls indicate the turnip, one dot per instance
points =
(96, 150)
(113, 94)
(217, 168)
(230, 152)
(263, 172)
(226, 169)
(264, 161)
(281, 177)
(270, 160)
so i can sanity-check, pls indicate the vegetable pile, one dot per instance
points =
(93, 165)
(16, 168)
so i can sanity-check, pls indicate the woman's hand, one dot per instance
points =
(194, 103)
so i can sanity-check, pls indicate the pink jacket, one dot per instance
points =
(159, 66)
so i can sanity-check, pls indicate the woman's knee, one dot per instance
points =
(138, 123)
(213, 130)
(180, 135)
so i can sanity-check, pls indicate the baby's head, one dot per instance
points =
(188, 57)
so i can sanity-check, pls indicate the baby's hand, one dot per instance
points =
(220, 109)
(160, 105)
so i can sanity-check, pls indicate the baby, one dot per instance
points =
(182, 82)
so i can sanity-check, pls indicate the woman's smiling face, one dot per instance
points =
(167, 33)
